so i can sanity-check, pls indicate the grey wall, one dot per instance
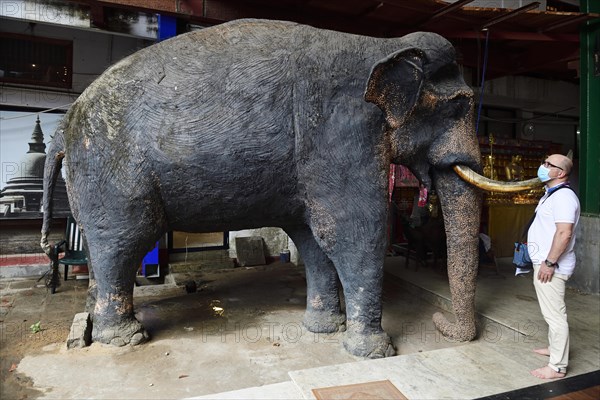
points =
(587, 248)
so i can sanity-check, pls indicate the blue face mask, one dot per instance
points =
(543, 173)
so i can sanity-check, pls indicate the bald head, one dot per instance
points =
(563, 162)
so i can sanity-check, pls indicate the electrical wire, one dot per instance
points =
(35, 113)
(485, 59)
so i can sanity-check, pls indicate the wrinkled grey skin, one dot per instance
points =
(266, 123)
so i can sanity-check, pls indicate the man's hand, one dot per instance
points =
(545, 273)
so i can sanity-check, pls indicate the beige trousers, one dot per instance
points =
(551, 296)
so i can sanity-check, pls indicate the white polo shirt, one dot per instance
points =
(561, 207)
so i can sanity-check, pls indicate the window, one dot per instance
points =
(35, 61)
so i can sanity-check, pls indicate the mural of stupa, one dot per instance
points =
(22, 195)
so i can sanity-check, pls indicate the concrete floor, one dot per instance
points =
(240, 336)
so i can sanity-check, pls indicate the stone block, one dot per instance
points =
(81, 331)
(250, 250)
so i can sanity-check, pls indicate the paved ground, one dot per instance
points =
(242, 329)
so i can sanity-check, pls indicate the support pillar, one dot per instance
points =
(589, 140)
(587, 248)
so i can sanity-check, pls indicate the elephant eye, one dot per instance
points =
(458, 107)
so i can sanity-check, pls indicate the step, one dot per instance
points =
(277, 391)
(470, 371)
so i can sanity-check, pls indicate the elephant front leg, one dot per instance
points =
(362, 279)
(113, 317)
(323, 313)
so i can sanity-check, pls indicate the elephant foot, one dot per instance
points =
(369, 345)
(453, 330)
(324, 322)
(126, 332)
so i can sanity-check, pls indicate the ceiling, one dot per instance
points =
(519, 42)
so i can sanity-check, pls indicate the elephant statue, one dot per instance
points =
(267, 123)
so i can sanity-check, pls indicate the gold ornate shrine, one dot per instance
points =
(506, 214)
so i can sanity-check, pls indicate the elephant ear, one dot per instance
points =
(395, 84)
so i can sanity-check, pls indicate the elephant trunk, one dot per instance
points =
(461, 207)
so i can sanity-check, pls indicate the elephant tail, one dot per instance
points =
(54, 161)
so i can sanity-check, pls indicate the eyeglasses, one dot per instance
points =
(548, 164)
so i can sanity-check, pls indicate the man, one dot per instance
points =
(551, 239)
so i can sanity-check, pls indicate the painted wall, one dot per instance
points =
(533, 94)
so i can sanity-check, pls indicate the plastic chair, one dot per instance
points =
(75, 253)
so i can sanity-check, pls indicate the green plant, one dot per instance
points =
(35, 328)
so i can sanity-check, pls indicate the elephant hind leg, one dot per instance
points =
(323, 311)
(113, 318)
(116, 257)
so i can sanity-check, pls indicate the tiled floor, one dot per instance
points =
(495, 364)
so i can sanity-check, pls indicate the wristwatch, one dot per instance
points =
(551, 264)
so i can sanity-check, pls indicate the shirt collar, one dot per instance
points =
(555, 188)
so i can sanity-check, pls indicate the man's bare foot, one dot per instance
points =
(544, 352)
(547, 373)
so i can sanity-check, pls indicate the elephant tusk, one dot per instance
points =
(470, 176)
